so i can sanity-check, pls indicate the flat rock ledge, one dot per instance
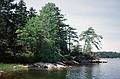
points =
(46, 66)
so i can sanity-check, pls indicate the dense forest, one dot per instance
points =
(28, 36)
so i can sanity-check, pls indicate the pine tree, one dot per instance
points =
(72, 37)
(90, 38)
(32, 12)
(21, 14)
(7, 25)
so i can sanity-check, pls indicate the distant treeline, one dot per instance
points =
(108, 54)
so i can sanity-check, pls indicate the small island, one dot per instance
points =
(43, 41)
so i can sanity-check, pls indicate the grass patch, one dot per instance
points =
(11, 67)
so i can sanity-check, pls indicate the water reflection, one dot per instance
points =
(44, 75)
(33, 74)
(84, 72)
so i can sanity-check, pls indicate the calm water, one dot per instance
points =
(110, 70)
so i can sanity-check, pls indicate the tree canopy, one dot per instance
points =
(90, 38)
(42, 37)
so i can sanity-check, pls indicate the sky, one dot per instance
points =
(102, 15)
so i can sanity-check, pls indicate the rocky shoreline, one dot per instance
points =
(61, 65)
(57, 66)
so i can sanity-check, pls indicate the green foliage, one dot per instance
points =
(71, 36)
(12, 16)
(21, 13)
(11, 67)
(49, 52)
(45, 37)
(42, 34)
(7, 26)
(77, 50)
(30, 34)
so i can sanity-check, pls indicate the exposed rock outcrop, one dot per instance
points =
(72, 62)
(46, 66)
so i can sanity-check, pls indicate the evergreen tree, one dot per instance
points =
(21, 14)
(72, 37)
(7, 25)
(11, 17)
(32, 12)
(90, 38)
(55, 25)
